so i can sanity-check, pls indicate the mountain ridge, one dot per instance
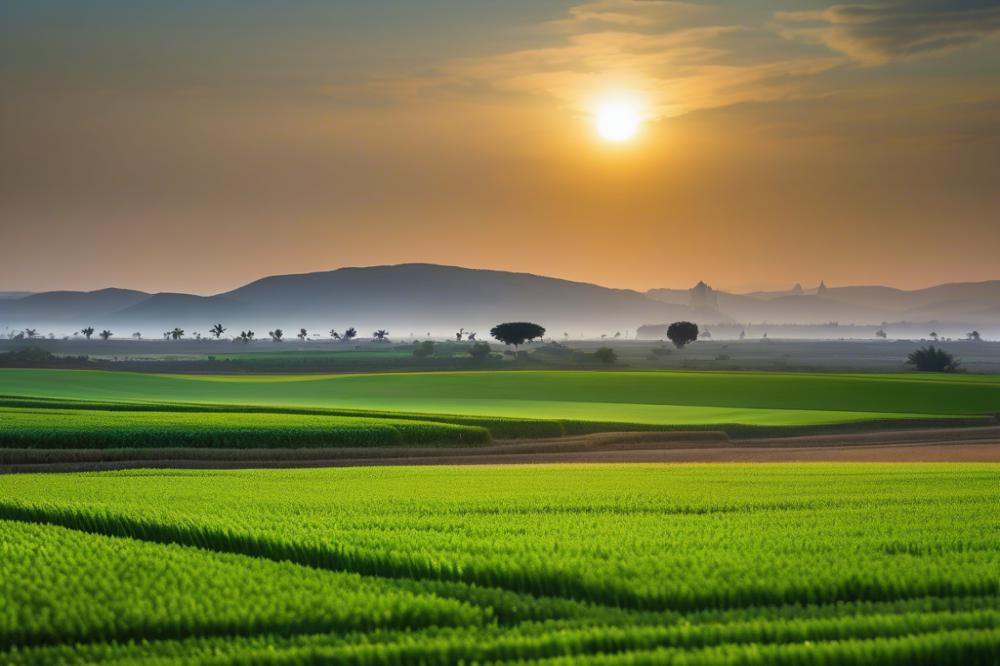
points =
(419, 297)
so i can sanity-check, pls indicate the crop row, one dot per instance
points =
(655, 538)
(71, 597)
(60, 585)
(23, 427)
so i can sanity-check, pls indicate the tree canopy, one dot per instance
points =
(682, 333)
(517, 333)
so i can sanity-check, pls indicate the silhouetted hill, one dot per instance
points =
(421, 298)
(167, 307)
(407, 298)
(963, 302)
(79, 307)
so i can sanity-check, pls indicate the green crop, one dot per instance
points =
(24, 427)
(692, 564)
(647, 398)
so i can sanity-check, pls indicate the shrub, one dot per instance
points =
(480, 351)
(932, 359)
(606, 355)
(424, 349)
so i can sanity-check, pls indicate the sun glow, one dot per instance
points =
(618, 120)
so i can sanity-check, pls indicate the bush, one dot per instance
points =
(424, 349)
(606, 355)
(932, 359)
(480, 351)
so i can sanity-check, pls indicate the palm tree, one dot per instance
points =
(334, 334)
(302, 335)
(89, 331)
(105, 335)
(137, 335)
(30, 333)
(276, 335)
(350, 334)
(177, 333)
(217, 330)
(380, 335)
(471, 337)
(459, 334)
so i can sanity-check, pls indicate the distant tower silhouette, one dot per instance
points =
(821, 290)
(797, 289)
(704, 297)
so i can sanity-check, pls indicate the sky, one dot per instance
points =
(197, 145)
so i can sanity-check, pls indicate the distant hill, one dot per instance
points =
(972, 302)
(406, 298)
(421, 298)
(76, 307)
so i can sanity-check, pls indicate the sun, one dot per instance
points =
(618, 120)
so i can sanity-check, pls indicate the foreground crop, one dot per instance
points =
(616, 564)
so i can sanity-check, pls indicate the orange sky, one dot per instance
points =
(187, 149)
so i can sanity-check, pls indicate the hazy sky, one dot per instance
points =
(196, 145)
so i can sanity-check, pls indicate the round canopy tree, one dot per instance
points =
(517, 333)
(682, 332)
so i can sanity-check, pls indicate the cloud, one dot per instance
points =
(675, 56)
(877, 34)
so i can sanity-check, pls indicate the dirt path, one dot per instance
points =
(944, 445)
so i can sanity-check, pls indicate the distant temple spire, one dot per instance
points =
(797, 289)
(821, 289)
(704, 297)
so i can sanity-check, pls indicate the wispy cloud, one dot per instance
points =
(679, 57)
(877, 34)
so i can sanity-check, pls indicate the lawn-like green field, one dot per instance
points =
(592, 564)
(651, 398)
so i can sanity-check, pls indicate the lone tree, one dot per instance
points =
(302, 334)
(105, 335)
(217, 330)
(88, 332)
(974, 336)
(682, 333)
(276, 335)
(350, 334)
(177, 334)
(932, 359)
(381, 335)
(606, 355)
(517, 333)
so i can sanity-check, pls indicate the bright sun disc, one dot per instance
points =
(618, 121)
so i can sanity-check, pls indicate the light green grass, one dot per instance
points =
(664, 398)
(693, 564)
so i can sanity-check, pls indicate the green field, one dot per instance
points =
(647, 398)
(681, 564)
(58, 428)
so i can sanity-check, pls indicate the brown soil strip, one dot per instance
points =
(952, 445)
